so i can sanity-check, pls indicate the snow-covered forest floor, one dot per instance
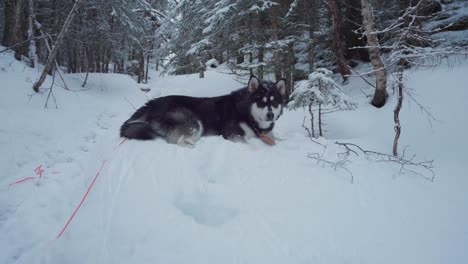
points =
(225, 202)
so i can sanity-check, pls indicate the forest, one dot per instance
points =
(284, 39)
(335, 131)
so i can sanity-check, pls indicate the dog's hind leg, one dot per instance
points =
(179, 126)
(137, 127)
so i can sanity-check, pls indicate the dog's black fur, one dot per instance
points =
(183, 119)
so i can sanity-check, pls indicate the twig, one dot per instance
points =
(51, 92)
(57, 67)
(430, 117)
(310, 134)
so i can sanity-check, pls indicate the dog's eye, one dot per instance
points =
(272, 98)
(265, 99)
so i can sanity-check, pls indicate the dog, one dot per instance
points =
(248, 112)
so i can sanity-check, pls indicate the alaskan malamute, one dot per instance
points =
(247, 112)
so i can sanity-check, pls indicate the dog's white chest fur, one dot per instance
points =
(249, 133)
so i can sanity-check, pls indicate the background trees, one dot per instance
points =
(272, 39)
(103, 36)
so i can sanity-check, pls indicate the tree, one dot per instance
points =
(380, 94)
(55, 49)
(32, 43)
(352, 22)
(320, 90)
(337, 39)
(411, 45)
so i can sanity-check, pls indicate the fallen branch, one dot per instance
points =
(335, 165)
(406, 165)
(423, 168)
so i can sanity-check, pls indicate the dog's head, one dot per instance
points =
(266, 100)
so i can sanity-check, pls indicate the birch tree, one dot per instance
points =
(32, 43)
(380, 94)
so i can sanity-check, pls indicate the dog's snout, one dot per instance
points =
(270, 116)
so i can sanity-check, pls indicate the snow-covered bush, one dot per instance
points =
(212, 63)
(320, 90)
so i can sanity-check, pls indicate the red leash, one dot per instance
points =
(266, 139)
(82, 200)
(123, 141)
(85, 195)
(21, 181)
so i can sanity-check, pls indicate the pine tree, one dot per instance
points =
(320, 90)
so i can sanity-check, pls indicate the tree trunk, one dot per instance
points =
(71, 59)
(261, 54)
(7, 40)
(320, 120)
(352, 39)
(380, 95)
(274, 34)
(85, 80)
(56, 16)
(202, 70)
(240, 58)
(46, 44)
(312, 127)
(250, 62)
(289, 72)
(337, 41)
(396, 112)
(84, 61)
(312, 28)
(148, 57)
(55, 49)
(18, 29)
(147, 67)
(141, 66)
(32, 42)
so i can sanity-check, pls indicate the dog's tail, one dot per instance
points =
(137, 127)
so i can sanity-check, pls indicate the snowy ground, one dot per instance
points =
(224, 202)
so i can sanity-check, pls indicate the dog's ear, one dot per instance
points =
(253, 84)
(281, 86)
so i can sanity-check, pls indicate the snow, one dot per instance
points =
(452, 13)
(212, 63)
(222, 201)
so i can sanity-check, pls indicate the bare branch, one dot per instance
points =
(51, 92)
(425, 167)
(335, 165)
